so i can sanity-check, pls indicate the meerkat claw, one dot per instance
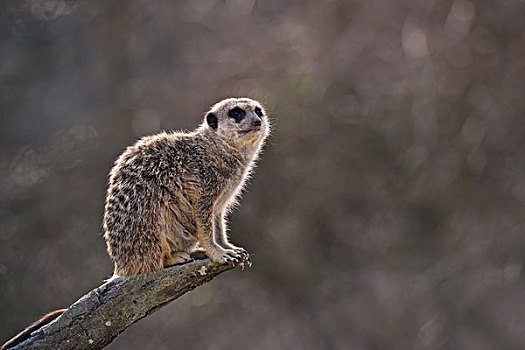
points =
(242, 252)
(230, 259)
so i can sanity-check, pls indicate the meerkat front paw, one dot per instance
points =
(244, 256)
(241, 251)
(227, 256)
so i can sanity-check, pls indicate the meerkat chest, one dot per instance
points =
(231, 189)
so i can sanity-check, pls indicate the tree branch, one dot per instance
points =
(101, 315)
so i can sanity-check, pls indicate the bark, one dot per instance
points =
(102, 314)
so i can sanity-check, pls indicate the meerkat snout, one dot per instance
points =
(256, 121)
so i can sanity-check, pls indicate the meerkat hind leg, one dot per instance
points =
(199, 254)
(176, 257)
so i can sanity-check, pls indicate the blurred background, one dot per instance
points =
(387, 211)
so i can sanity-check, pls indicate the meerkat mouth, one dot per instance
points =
(253, 129)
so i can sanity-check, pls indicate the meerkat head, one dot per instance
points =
(241, 120)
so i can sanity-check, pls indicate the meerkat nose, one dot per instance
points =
(256, 122)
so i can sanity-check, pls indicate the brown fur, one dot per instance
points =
(26, 333)
(171, 192)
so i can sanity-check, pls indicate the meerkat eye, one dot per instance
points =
(258, 111)
(237, 114)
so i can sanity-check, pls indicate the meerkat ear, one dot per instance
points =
(212, 120)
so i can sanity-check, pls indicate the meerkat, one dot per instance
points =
(169, 194)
